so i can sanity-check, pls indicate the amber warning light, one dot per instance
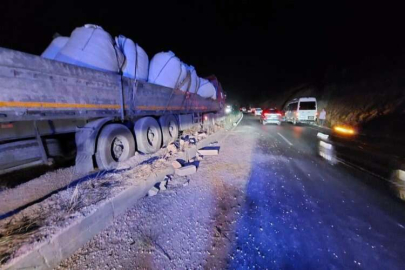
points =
(344, 130)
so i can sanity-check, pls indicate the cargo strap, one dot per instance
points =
(196, 93)
(178, 86)
(136, 57)
(186, 80)
(120, 66)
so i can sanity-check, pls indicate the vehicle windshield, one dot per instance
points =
(307, 105)
(292, 107)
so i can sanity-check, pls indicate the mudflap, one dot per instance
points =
(86, 138)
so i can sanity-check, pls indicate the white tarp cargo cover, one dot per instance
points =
(185, 78)
(195, 81)
(207, 89)
(53, 49)
(136, 64)
(166, 69)
(90, 46)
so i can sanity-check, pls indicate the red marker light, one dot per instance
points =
(9, 125)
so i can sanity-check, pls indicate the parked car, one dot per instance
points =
(271, 116)
(258, 111)
(301, 110)
(378, 148)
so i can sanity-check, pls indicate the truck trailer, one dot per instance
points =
(51, 110)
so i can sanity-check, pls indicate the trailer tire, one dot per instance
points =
(170, 129)
(148, 135)
(115, 144)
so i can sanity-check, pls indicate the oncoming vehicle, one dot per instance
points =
(377, 147)
(301, 110)
(258, 111)
(271, 116)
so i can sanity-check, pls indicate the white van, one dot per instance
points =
(301, 110)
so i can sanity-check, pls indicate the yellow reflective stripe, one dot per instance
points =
(157, 108)
(19, 104)
(161, 108)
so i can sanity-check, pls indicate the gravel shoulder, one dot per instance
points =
(38, 223)
(190, 225)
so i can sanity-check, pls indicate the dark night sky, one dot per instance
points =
(255, 49)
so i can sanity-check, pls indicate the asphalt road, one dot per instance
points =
(301, 212)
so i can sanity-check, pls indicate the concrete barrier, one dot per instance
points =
(61, 246)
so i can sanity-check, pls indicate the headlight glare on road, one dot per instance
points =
(322, 136)
(398, 181)
(325, 145)
(401, 175)
(327, 152)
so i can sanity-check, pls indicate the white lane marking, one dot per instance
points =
(285, 139)
(239, 120)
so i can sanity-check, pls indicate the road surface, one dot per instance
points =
(303, 213)
(266, 201)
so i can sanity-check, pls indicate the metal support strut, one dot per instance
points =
(41, 146)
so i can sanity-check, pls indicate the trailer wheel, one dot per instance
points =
(170, 129)
(115, 144)
(148, 135)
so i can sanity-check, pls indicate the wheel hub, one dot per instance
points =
(151, 136)
(171, 129)
(117, 148)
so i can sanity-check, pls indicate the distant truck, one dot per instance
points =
(301, 110)
(51, 110)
